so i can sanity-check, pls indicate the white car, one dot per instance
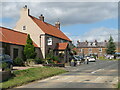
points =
(91, 59)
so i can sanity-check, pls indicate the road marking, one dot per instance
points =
(97, 70)
(98, 78)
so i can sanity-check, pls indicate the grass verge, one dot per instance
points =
(119, 85)
(25, 76)
(102, 58)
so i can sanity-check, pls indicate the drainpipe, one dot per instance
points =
(40, 38)
(40, 42)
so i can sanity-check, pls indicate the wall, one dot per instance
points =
(20, 50)
(94, 50)
(31, 28)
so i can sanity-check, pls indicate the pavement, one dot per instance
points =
(22, 68)
(99, 74)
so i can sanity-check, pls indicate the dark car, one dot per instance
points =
(6, 59)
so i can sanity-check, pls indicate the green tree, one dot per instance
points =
(29, 49)
(111, 47)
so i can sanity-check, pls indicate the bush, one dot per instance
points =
(4, 66)
(55, 58)
(18, 62)
(38, 61)
(50, 61)
(30, 62)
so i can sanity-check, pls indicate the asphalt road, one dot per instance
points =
(99, 74)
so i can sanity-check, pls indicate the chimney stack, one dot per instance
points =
(86, 41)
(78, 41)
(57, 24)
(41, 17)
(25, 11)
(96, 41)
(105, 41)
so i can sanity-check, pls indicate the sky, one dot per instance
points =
(79, 20)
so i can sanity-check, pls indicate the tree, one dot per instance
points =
(29, 49)
(111, 47)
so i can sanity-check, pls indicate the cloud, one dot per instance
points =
(67, 12)
(99, 34)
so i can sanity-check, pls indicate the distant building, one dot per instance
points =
(96, 48)
(90, 48)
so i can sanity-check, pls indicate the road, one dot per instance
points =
(99, 74)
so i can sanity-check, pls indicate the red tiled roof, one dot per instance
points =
(62, 46)
(14, 37)
(50, 29)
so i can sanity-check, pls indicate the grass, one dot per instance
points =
(119, 85)
(25, 76)
(102, 58)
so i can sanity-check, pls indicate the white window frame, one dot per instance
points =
(49, 41)
(24, 28)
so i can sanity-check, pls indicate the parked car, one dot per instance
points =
(6, 59)
(76, 57)
(91, 58)
(79, 58)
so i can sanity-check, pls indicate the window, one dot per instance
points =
(90, 49)
(15, 53)
(24, 28)
(81, 50)
(100, 49)
(94, 44)
(62, 41)
(49, 41)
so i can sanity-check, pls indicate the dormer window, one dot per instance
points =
(24, 28)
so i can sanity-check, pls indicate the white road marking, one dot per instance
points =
(97, 70)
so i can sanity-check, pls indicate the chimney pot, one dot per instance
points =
(41, 17)
(57, 24)
(95, 40)
(105, 41)
(25, 6)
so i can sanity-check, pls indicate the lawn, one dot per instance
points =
(119, 85)
(102, 58)
(21, 77)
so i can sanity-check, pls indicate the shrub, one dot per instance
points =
(50, 61)
(4, 66)
(30, 62)
(29, 49)
(38, 61)
(55, 58)
(18, 62)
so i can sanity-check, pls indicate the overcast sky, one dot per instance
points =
(79, 20)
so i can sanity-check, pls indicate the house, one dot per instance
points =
(90, 48)
(12, 42)
(47, 37)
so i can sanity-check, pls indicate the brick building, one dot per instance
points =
(90, 48)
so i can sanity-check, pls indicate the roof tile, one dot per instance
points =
(62, 46)
(50, 29)
(14, 37)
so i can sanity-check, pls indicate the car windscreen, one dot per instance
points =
(7, 57)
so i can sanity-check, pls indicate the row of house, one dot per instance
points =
(93, 48)
(46, 37)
